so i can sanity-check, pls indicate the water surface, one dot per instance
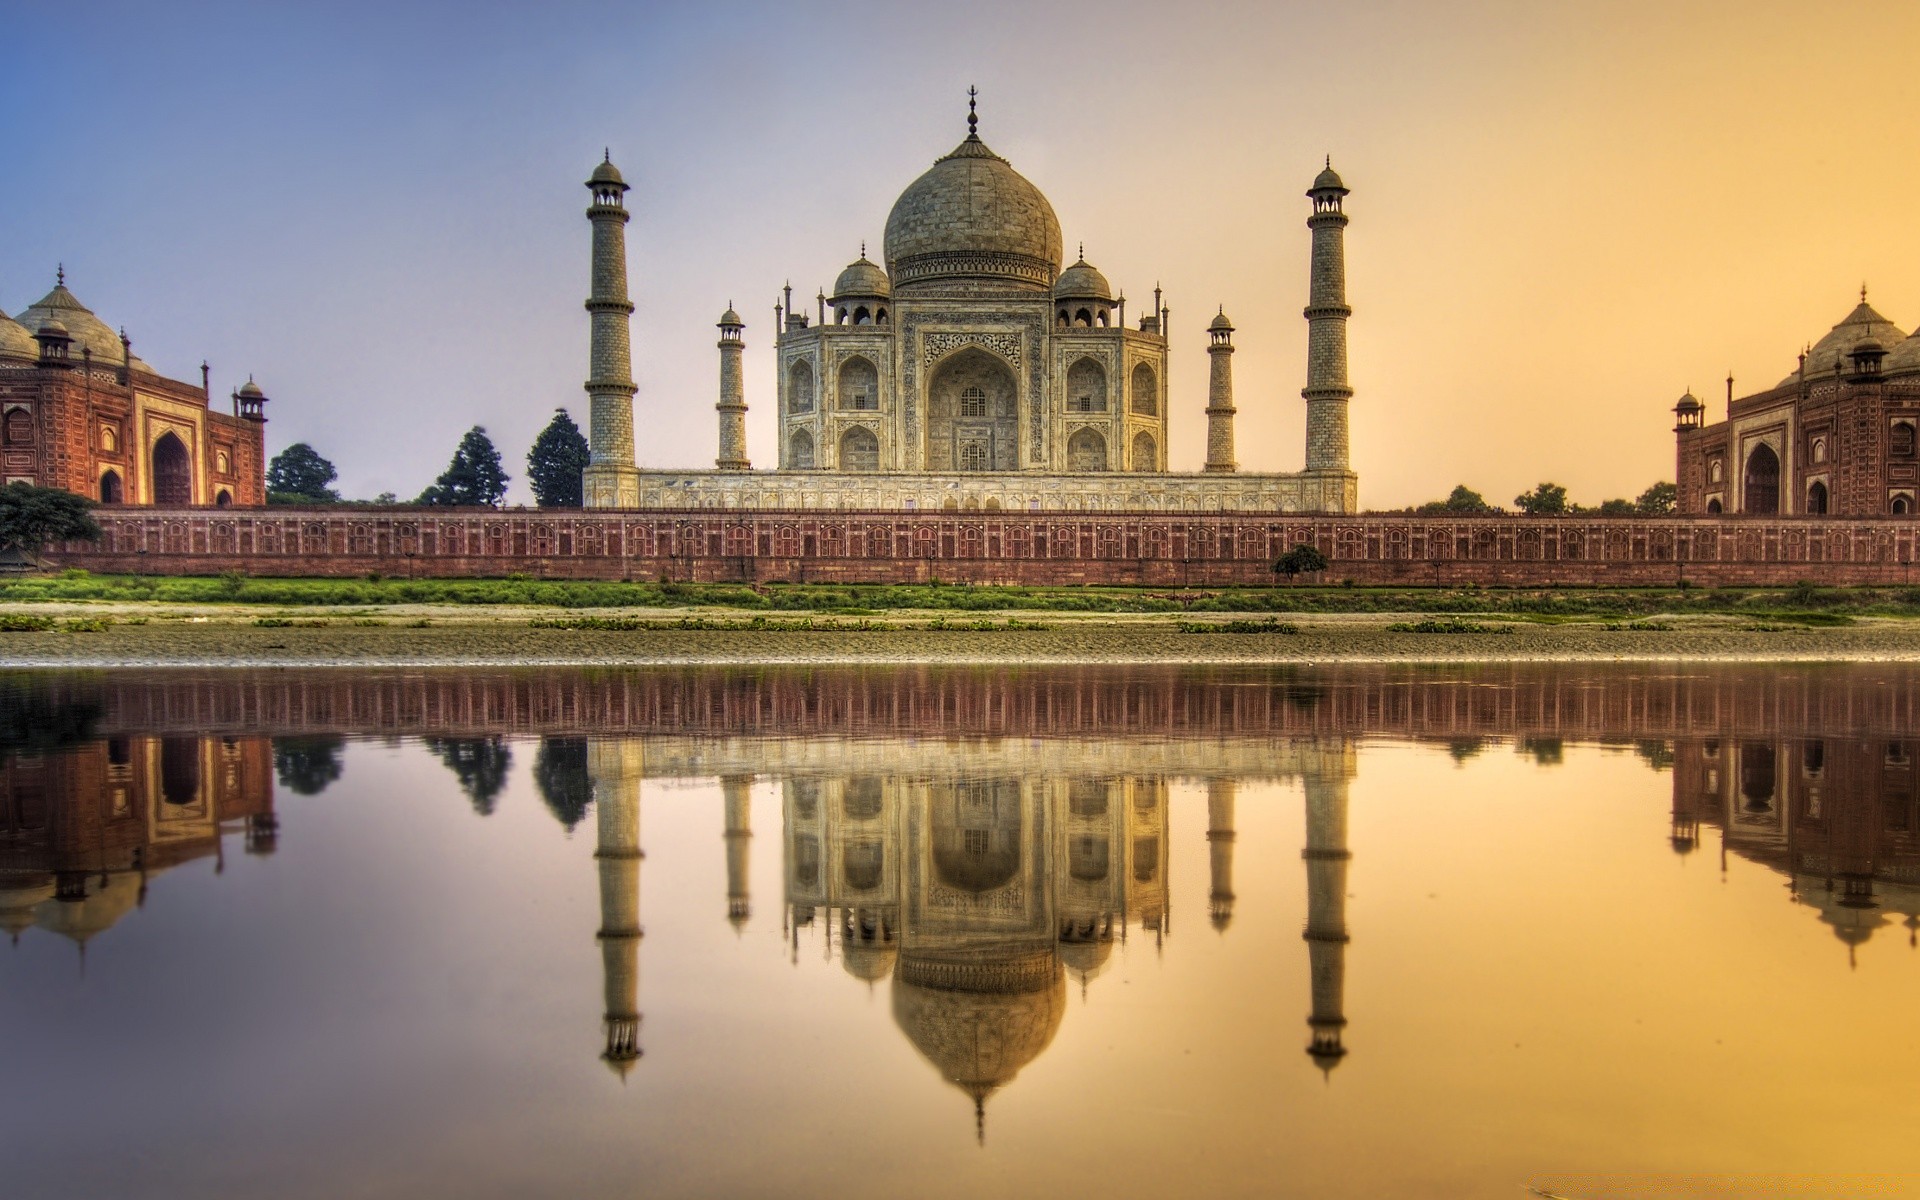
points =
(1353, 932)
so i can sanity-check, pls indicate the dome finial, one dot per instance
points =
(606, 154)
(863, 247)
(1083, 252)
(973, 116)
(1863, 293)
(60, 274)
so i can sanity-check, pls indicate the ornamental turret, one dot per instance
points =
(610, 480)
(614, 768)
(733, 400)
(1220, 394)
(1327, 392)
(1326, 934)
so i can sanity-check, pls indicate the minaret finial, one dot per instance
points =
(1863, 293)
(1329, 162)
(863, 247)
(60, 274)
(606, 154)
(1083, 252)
(973, 116)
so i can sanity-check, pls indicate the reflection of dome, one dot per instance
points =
(103, 907)
(19, 894)
(870, 961)
(980, 1034)
(1086, 959)
(862, 278)
(1862, 325)
(973, 215)
(88, 331)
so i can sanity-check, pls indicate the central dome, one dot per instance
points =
(972, 216)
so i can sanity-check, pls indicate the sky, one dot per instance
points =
(1563, 215)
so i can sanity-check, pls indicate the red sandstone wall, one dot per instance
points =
(1156, 550)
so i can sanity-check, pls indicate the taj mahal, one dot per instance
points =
(970, 371)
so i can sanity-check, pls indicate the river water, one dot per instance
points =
(1376, 931)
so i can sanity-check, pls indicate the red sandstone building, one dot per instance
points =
(1835, 437)
(79, 411)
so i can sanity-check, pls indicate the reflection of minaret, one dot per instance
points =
(1220, 849)
(1326, 935)
(737, 793)
(615, 769)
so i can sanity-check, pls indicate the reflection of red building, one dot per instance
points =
(1837, 816)
(82, 829)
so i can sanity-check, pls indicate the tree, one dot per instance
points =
(480, 764)
(1617, 508)
(554, 464)
(33, 518)
(473, 478)
(298, 475)
(1302, 558)
(1546, 499)
(560, 774)
(1658, 501)
(306, 765)
(1462, 499)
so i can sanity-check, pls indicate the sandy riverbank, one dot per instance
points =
(215, 635)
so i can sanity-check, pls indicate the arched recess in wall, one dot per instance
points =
(800, 387)
(859, 450)
(111, 489)
(859, 385)
(976, 834)
(1145, 399)
(971, 411)
(1817, 498)
(1086, 387)
(1145, 455)
(800, 451)
(172, 472)
(1762, 485)
(1086, 451)
(179, 769)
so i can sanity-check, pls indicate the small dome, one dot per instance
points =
(1868, 347)
(251, 391)
(867, 961)
(1327, 181)
(1689, 403)
(1861, 325)
(1220, 323)
(862, 278)
(54, 329)
(730, 319)
(15, 341)
(1081, 282)
(77, 320)
(606, 172)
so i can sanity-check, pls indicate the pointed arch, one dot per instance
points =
(800, 451)
(800, 386)
(111, 489)
(172, 471)
(1086, 387)
(1086, 451)
(1145, 453)
(1762, 483)
(858, 384)
(1145, 398)
(859, 450)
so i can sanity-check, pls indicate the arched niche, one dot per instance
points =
(1086, 387)
(1086, 451)
(972, 413)
(1145, 454)
(172, 471)
(859, 385)
(800, 451)
(800, 386)
(112, 491)
(1144, 392)
(859, 450)
(976, 832)
(1761, 493)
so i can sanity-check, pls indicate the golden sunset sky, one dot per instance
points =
(1563, 214)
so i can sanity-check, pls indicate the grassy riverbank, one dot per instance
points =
(1805, 603)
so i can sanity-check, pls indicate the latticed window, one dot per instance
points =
(973, 457)
(864, 400)
(977, 841)
(973, 402)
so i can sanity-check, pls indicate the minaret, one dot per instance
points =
(1220, 795)
(737, 794)
(610, 480)
(614, 767)
(1326, 934)
(733, 397)
(1220, 395)
(1327, 392)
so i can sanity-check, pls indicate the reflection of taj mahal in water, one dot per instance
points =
(978, 880)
